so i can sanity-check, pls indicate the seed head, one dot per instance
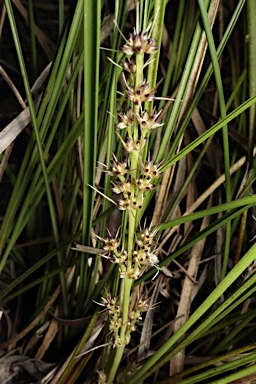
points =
(140, 43)
(146, 237)
(135, 274)
(118, 168)
(151, 170)
(147, 121)
(117, 342)
(144, 184)
(110, 244)
(141, 94)
(142, 305)
(115, 324)
(123, 187)
(102, 377)
(131, 326)
(139, 256)
(127, 203)
(129, 65)
(121, 257)
(111, 305)
(126, 119)
(131, 145)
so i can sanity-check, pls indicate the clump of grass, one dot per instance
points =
(114, 173)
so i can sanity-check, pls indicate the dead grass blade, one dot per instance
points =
(177, 362)
(33, 324)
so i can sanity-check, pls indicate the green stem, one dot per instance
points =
(126, 285)
(139, 69)
(131, 230)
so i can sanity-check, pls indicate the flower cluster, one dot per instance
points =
(115, 321)
(132, 179)
(140, 43)
(142, 255)
(135, 316)
(102, 377)
(133, 189)
(113, 308)
(135, 178)
(112, 253)
(144, 244)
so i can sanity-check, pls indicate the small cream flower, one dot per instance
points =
(129, 65)
(118, 168)
(126, 119)
(115, 324)
(144, 184)
(147, 121)
(135, 274)
(142, 305)
(146, 237)
(131, 145)
(140, 43)
(141, 94)
(151, 170)
(124, 204)
(123, 187)
(121, 257)
(102, 377)
(128, 203)
(110, 244)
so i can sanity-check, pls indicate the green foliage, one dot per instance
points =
(129, 209)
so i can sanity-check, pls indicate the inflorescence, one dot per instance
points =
(133, 178)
